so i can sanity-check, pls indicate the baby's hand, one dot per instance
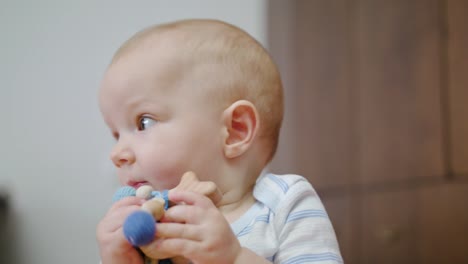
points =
(113, 246)
(196, 230)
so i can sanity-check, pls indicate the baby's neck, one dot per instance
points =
(236, 204)
(237, 188)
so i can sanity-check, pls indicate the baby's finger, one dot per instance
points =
(183, 214)
(178, 246)
(115, 219)
(154, 250)
(175, 230)
(190, 198)
(127, 201)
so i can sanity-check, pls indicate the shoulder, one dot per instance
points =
(280, 191)
(301, 223)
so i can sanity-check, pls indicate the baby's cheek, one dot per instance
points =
(166, 163)
(163, 176)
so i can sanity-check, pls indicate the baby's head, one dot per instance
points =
(198, 95)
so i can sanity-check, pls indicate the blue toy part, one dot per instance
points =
(163, 195)
(139, 228)
(123, 192)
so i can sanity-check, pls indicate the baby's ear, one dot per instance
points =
(241, 123)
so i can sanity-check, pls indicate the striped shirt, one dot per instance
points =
(288, 223)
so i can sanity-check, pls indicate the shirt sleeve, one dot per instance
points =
(304, 229)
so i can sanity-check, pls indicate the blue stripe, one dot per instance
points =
(281, 183)
(306, 214)
(314, 258)
(245, 231)
(263, 218)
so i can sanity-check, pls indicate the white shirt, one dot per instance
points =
(288, 223)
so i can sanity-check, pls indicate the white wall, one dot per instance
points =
(53, 144)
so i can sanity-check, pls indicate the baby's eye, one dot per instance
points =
(145, 122)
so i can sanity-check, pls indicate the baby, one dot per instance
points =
(204, 96)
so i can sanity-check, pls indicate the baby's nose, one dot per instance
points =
(121, 156)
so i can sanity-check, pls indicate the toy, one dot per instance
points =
(139, 227)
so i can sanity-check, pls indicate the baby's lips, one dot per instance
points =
(136, 184)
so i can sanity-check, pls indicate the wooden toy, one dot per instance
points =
(139, 227)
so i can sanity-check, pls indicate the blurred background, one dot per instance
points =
(376, 96)
(377, 105)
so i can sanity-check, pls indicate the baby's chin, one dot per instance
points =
(160, 185)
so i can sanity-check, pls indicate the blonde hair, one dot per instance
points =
(238, 64)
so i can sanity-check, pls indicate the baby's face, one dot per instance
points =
(163, 124)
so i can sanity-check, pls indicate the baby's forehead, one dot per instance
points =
(204, 53)
(161, 67)
(167, 56)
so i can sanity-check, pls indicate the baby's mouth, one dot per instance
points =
(137, 185)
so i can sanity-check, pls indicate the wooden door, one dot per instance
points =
(441, 226)
(456, 95)
(376, 97)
